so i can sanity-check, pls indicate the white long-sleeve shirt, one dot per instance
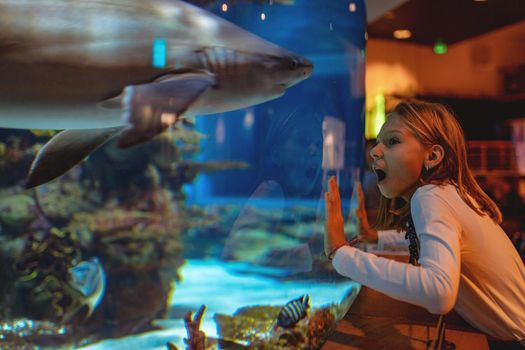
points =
(467, 262)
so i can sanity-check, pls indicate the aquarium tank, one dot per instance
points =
(163, 167)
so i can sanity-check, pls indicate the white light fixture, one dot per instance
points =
(402, 34)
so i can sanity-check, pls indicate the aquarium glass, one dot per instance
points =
(184, 202)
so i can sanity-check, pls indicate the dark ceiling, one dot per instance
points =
(448, 20)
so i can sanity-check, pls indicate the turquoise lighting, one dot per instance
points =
(159, 53)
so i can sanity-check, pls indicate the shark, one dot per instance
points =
(99, 69)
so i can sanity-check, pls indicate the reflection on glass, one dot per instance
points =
(121, 247)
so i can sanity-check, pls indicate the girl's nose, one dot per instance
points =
(375, 152)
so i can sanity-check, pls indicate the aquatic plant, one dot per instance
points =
(42, 279)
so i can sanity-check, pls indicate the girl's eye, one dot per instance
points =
(393, 141)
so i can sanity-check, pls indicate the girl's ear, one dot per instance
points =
(434, 157)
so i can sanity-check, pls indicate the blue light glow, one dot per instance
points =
(159, 53)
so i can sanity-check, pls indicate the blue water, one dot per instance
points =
(224, 290)
(250, 235)
(333, 38)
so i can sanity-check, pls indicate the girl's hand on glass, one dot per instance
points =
(364, 232)
(334, 234)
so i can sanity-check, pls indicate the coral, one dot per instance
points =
(247, 324)
(170, 346)
(32, 334)
(133, 239)
(59, 200)
(16, 213)
(44, 133)
(320, 325)
(257, 326)
(16, 156)
(142, 251)
(196, 338)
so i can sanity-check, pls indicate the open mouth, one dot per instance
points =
(380, 175)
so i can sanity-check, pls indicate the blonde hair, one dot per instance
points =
(431, 124)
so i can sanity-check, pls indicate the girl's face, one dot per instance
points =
(300, 158)
(398, 159)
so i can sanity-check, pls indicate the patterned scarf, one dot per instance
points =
(413, 247)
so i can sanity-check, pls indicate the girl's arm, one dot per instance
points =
(391, 240)
(432, 285)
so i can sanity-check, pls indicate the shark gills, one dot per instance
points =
(127, 69)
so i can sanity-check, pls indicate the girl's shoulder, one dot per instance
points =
(442, 191)
(434, 200)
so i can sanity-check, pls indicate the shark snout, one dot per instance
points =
(306, 66)
(300, 68)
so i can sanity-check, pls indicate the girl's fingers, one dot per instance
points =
(332, 184)
(361, 195)
(327, 200)
(334, 189)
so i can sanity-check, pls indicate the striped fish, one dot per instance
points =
(293, 312)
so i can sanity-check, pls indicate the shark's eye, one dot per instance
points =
(294, 63)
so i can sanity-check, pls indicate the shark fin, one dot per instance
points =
(188, 121)
(151, 108)
(111, 103)
(65, 150)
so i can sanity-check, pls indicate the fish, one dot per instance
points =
(88, 278)
(128, 69)
(294, 311)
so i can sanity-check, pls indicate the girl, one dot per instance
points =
(465, 260)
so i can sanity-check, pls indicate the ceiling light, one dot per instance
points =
(352, 7)
(402, 34)
(440, 48)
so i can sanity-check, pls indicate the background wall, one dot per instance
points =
(470, 68)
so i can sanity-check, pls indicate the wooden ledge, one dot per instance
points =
(376, 321)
